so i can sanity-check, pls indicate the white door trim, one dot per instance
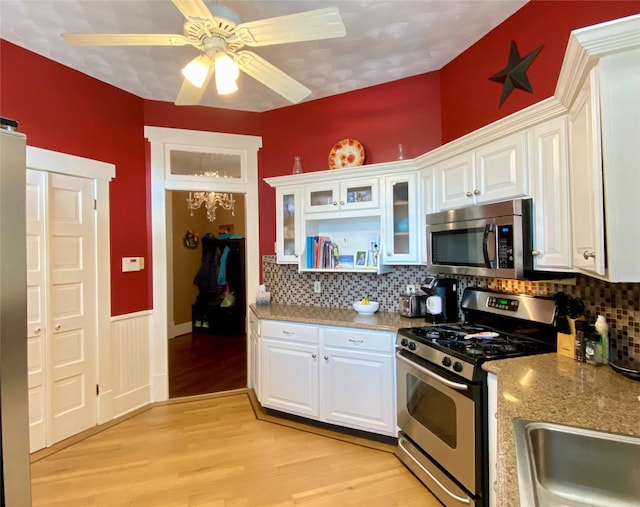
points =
(158, 138)
(101, 173)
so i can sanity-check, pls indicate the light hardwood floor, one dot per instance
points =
(216, 451)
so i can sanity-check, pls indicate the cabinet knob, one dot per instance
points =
(476, 192)
(326, 358)
(589, 255)
(469, 194)
(335, 203)
(37, 330)
(535, 253)
(57, 327)
(388, 254)
(341, 203)
(314, 355)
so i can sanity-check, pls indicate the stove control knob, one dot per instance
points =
(446, 361)
(412, 345)
(457, 366)
(404, 342)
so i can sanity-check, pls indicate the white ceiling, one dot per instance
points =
(386, 40)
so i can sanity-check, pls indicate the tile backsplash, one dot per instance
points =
(619, 303)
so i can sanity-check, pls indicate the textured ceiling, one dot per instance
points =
(386, 40)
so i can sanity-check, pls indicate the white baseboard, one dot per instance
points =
(180, 329)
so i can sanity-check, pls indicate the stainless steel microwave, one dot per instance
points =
(492, 240)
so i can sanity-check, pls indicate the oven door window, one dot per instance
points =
(432, 409)
(463, 247)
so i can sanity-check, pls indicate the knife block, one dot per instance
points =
(567, 341)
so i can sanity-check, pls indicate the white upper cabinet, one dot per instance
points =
(341, 196)
(600, 83)
(402, 234)
(289, 224)
(587, 207)
(550, 192)
(493, 172)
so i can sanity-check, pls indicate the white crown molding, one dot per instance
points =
(585, 48)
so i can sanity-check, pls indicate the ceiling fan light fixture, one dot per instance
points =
(226, 72)
(196, 70)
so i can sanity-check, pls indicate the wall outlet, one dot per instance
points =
(411, 289)
(317, 287)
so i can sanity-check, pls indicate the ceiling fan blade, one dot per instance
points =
(311, 25)
(190, 95)
(124, 39)
(195, 10)
(269, 75)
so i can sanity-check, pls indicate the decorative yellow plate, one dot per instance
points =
(346, 153)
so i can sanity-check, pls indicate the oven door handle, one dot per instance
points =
(454, 385)
(442, 486)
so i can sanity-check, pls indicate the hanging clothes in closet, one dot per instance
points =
(220, 304)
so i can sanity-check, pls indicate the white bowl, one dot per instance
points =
(372, 307)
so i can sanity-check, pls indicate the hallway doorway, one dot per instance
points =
(206, 354)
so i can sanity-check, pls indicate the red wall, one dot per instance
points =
(63, 110)
(470, 100)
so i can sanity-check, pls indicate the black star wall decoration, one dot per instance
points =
(514, 75)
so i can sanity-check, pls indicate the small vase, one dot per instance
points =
(297, 166)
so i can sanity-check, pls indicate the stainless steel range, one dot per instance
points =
(442, 389)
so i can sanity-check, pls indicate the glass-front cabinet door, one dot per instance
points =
(342, 196)
(401, 240)
(288, 223)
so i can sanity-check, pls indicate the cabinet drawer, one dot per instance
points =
(377, 341)
(289, 331)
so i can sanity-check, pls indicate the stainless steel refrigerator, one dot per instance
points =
(14, 410)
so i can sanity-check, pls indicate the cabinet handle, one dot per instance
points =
(469, 194)
(355, 341)
(57, 327)
(288, 333)
(476, 192)
(314, 356)
(535, 253)
(326, 358)
(589, 255)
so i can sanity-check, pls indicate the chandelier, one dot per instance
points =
(211, 201)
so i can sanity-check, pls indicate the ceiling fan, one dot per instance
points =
(218, 32)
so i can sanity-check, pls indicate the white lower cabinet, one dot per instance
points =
(289, 368)
(357, 379)
(341, 376)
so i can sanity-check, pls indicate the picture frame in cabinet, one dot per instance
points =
(361, 259)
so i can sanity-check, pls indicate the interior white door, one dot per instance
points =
(36, 307)
(72, 305)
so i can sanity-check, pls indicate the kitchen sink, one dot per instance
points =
(567, 466)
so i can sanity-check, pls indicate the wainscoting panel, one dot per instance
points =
(131, 358)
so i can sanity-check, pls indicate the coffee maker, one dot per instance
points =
(447, 289)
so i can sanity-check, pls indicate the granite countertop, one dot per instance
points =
(323, 315)
(557, 389)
